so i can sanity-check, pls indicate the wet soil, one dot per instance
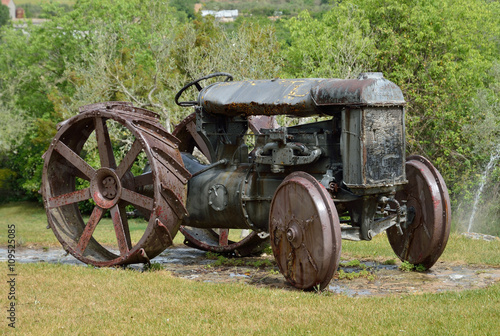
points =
(377, 280)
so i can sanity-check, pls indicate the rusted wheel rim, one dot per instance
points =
(209, 239)
(423, 241)
(305, 232)
(112, 184)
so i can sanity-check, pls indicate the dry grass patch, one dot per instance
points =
(31, 224)
(71, 300)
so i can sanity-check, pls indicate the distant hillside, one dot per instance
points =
(269, 7)
(247, 8)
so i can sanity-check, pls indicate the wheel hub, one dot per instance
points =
(105, 188)
(294, 234)
(109, 187)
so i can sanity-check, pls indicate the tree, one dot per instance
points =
(143, 54)
(485, 131)
(4, 15)
(34, 78)
(440, 53)
(185, 6)
(337, 45)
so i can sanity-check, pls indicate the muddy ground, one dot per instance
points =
(370, 278)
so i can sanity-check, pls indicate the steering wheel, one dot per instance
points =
(228, 76)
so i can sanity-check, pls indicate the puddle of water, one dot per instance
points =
(337, 289)
(176, 255)
(52, 256)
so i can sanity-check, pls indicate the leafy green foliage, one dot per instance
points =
(337, 45)
(342, 275)
(443, 54)
(143, 53)
(406, 266)
(186, 6)
(153, 267)
(220, 260)
(440, 53)
(4, 15)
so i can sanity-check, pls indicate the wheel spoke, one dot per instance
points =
(137, 199)
(94, 219)
(129, 159)
(121, 229)
(126, 228)
(75, 160)
(143, 180)
(202, 146)
(104, 144)
(69, 198)
(223, 237)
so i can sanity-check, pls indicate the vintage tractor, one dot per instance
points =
(229, 167)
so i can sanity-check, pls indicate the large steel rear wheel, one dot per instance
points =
(213, 240)
(123, 139)
(425, 236)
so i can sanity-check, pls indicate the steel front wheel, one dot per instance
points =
(96, 160)
(426, 234)
(305, 232)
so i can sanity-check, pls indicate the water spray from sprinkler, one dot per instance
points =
(495, 155)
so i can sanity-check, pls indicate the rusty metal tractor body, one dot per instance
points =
(307, 186)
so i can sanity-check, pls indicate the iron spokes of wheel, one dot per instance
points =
(210, 239)
(305, 232)
(114, 184)
(424, 239)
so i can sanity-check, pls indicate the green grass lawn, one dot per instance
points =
(67, 300)
(31, 227)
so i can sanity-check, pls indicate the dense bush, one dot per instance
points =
(443, 54)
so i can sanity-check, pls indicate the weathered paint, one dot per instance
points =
(299, 97)
(286, 186)
(305, 232)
